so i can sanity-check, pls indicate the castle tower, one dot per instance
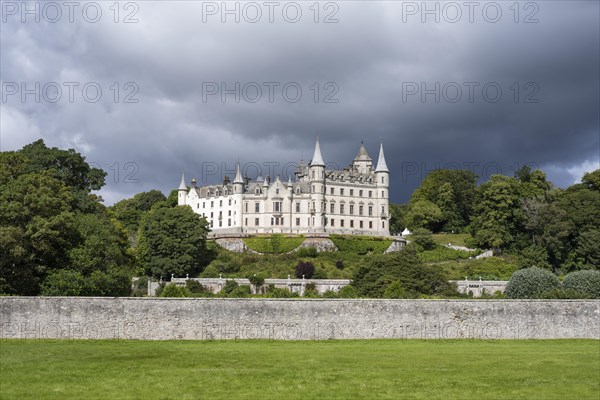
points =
(382, 174)
(238, 193)
(182, 192)
(362, 162)
(316, 171)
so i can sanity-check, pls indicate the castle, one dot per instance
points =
(351, 201)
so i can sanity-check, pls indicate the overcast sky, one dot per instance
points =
(487, 87)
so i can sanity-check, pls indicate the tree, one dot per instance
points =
(453, 192)
(423, 214)
(592, 180)
(129, 211)
(36, 231)
(497, 216)
(397, 218)
(172, 241)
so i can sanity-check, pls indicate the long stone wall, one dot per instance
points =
(287, 319)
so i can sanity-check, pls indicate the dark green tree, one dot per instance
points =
(172, 241)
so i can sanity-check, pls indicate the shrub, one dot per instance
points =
(306, 269)
(530, 283)
(310, 290)
(172, 290)
(394, 291)
(320, 273)
(63, 282)
(194, 286)
(348, 292)
(330, 294)
(308, 252)
(586, 283)
(339, 264)
(210, 272)
(233, 289)
(423, 239)
(274, 292)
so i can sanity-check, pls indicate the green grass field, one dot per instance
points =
(391, 369)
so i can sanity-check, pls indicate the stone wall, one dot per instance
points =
(291, 319)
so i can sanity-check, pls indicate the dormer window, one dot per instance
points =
(257, 191)
(298, 190)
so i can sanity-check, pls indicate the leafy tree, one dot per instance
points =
(423, 239)
(172, 241)
(592, 180)
(423, 214)
(453, 192)
(129, 211)
(394, 291)
(36, 230)
(173, 290)
(397, 218)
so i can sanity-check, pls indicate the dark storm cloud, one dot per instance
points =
(372, 58)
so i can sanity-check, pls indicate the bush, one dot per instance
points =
(394, 291)
(320, 273)
(348, 292)
(194, 286)
(306, 269)
(63, 282)
(273, 292)
(210, 272)
(173, 290)
(308, 252)
(586, 283)
(339, 264)
(423, 239)
(530, 283)
(233, 289)
(330, 294)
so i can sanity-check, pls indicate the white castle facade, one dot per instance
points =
(351, 201)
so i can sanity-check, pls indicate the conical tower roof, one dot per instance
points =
(182, 185)
(317, 158)
(381, 165)
(362, 154)
(238, 175)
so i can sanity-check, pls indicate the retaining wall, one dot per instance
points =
(292, 319)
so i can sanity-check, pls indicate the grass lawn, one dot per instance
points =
(392, 369)
(457, 239)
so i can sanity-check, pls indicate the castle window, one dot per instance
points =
(276, 191)
(332, 222)
(246, 205)
(332, 191)
(360, 193)
(272, 221)
(220, 203)
(246, 221)
(229, 213)
(351, 209)
(198, 205)
(370, 193)
(211, 224)
(313, 174)
(297, 221)
(313, 188)
(298, 190)
(282, 220)
(383, 224)
(360, 223)
(332, 208)
(255, 221)
(229, 201)
(342, 223)
(277, 206)
(370, 224)
(370, 210)
(383, 194)
(229, 222)
(351, 192)
(220, 223)
(257, 207)
(341, 208)
(382, 209)
(211, 214)
(212, 203)
(382, 179)
(341, 192)
(360, 210)
(257, 191)
(351, 223)
(203, 204)
(298, 207)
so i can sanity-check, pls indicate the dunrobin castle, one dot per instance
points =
(351, 201)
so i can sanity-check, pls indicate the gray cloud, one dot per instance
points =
(372, 56)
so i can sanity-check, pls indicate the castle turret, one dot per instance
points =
(382, 176)
(317, 183)
(182, 192)
(362, 162)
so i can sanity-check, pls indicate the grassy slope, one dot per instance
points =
(551, 369)
(457, 239)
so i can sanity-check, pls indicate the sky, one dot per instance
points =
(147, 90)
